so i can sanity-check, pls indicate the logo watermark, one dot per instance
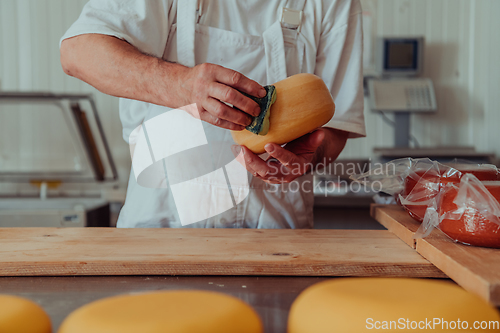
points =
(439, 324)
(174, 150)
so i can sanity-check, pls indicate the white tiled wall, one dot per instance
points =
(29, 61)
(462, 58)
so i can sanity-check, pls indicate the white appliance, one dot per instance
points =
(397, 89)
(56, 162)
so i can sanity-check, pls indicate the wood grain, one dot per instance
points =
(476, 269)
(59, 252)
(397, 221)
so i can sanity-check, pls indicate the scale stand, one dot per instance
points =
(402, 129)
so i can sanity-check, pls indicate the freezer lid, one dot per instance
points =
(54, 138)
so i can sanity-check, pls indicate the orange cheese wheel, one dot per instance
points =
(303, 104)
(357, 305)
(21, 315)
(169, 311)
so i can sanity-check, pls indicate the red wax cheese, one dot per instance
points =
(472, 228)
(424, 185)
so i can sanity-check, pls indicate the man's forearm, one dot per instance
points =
(331, 147)
(117, 68)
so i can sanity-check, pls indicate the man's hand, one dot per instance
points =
(211, 86)
(117, 68)
(285, 164)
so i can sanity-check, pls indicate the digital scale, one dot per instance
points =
(398, 90)
(55, 162)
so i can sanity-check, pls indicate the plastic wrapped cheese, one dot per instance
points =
(468, 212)
(415, 183)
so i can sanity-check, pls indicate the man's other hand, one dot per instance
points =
(285, 164)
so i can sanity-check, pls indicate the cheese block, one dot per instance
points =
(424, 185)
(303, 103)
(389, 305)
(169, 311)
(21, 315)
(471, 227)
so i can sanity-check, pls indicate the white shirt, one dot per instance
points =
(336, 31)
(329, 45)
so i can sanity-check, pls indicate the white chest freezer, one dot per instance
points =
(54, 162)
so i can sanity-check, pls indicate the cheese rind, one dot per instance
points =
(21, 315)
(170, 311)
(303, 104)
(385, 304)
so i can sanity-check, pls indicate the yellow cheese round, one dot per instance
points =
(170, 311)
(303, 104)
(386, 304)
(21, 315)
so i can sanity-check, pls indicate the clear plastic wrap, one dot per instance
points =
(415, 183)
(391, 176)
(467, 212)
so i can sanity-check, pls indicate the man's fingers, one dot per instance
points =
(268, 171)
(239, 82)
(222, 111)
(240, 157)
(308, 143)
(255, 163)
(232, 96)
(315, 139)
(211, 119)
(286, 157)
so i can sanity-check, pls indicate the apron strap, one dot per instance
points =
(274, 43)
(274, 46)
(188, 12)
(187, 16)
(292, 15)
(296, 4)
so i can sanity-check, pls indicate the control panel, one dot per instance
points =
(400, 95)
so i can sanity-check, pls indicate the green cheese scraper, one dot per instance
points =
(260, 124)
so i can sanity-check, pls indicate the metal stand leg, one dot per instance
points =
(402, 129)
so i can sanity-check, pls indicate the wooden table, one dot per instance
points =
(59, 252)
(476, 269)
(319, 254)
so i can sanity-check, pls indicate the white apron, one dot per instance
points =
(175, 197)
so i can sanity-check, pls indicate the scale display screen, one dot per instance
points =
(401, 56)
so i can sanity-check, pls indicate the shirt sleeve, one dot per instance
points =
(340, 63)
(141, 23)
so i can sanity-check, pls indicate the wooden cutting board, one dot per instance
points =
(476, 269)
(54, 252)
(397, 221)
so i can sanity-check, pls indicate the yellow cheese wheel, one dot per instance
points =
(303, 103)
(169, 311)
(21, 315)
(389, 305)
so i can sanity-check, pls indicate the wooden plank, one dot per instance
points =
(54, 252)
(476, 269)
(397, 221)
